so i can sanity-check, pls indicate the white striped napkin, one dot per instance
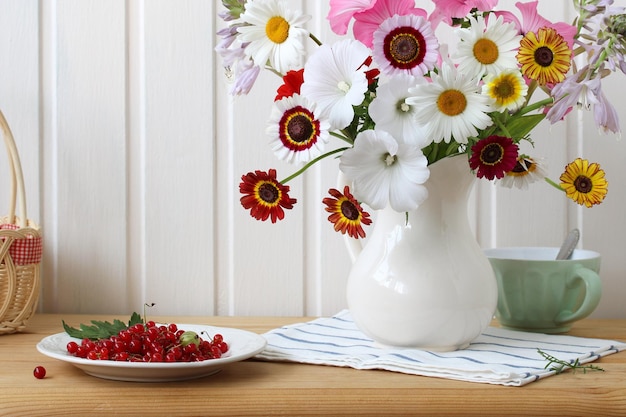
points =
(498, 356)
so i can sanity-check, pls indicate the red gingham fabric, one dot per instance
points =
(25, 251)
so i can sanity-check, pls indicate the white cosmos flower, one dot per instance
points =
(385, 171)
(487, 48)
(334, 79)
(274, 34)
(390, 111)
(451, 106)
(297, 134)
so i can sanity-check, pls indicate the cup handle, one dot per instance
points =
(593, 292)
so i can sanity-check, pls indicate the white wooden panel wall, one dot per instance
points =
(133, 152)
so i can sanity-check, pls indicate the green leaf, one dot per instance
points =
(135, 318)
(101, 329)
(521, 126)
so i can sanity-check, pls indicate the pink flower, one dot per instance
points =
(446, 10)
(533, 21)
(605, 115)
(246, 74)
(575, 89)
(368, 21)
(342, 11)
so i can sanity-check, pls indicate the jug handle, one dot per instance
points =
(354, 246)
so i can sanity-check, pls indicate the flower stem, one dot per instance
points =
(554, 184)
(272, 70)
(536, 105)
(311, 163)
(501, 126)
(345, 138)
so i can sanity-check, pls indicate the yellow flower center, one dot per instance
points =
(452, 102)
(277, 29)
(486, 51)
(504, 89)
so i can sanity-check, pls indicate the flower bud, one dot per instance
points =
(617, 24)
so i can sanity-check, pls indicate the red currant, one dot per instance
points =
(72, 347)
(216, 352)
(223, 347)
(39, 372)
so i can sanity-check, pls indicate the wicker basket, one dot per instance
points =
(20, 250)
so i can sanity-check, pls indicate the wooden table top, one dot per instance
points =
(256, 388)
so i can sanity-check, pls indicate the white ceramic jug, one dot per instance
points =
(424, 282)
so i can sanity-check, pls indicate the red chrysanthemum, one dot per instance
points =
(347, 215)
(265, 196)
(493, 156)
(292, 81)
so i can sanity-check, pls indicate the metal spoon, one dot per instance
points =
(568, 245)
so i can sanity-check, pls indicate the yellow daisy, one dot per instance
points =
(544, 56)
(507, 89)
(584, 182)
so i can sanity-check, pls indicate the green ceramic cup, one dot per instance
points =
(537, 293)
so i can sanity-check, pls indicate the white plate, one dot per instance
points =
(242, 345)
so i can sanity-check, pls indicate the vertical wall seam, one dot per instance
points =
(223, 245)
(227, 239)
(48, 159)
(312, 292)
(136, 154)
(574, 212)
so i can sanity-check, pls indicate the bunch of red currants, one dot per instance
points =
(151, 342)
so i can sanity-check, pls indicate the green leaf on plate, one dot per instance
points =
(101, 329)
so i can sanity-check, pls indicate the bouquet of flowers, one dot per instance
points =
(396, 99)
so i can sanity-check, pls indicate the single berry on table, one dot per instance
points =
(39, 372)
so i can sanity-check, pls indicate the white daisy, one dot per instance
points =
(385, 171)
(487, 48)
(333, 78)
(451, 106)
(405, 44)
(527, 171)
(274, 34)
(390, 111)
(297, 134)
